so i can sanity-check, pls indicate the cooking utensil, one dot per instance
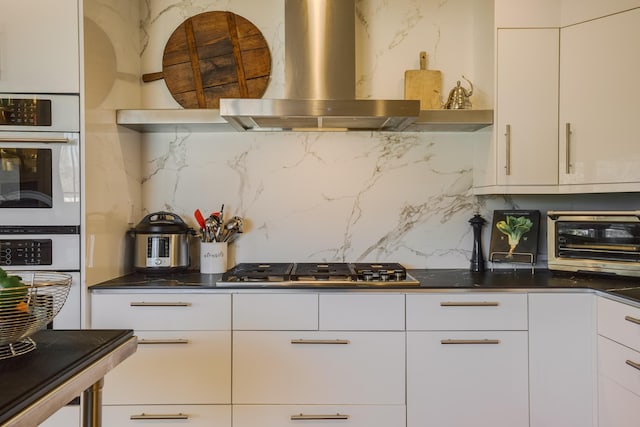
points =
(214, 55)
(233, 226)
(199, 219)
(424, 85)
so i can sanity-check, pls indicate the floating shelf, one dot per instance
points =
(209, 120)
(451, 121)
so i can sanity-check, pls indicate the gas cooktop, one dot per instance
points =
(317, 275)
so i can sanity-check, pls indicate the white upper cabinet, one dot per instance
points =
(527, 13)
(599, 66)
(39, 46)
(527, 106)
(575, 11)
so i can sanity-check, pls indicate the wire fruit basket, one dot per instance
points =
(28, 308)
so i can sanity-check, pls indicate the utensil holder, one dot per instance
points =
(213, 257)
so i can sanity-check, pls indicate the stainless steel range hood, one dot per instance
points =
(319, 79)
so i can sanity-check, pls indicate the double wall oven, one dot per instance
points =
(40, 190)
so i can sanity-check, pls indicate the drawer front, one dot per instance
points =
(167, 416)
(318, 415)
(619, 322)
(619, 363)
(286, 312)
(358, 312)
(617, 406)
(160, 312)
(318, 367)
(467, 311)
(176, 367)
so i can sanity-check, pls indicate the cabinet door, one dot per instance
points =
(562, 349)
(527, 106)
(599, 63)
(617, 406)
(480, 383)
(304, 367)
(173, 367)
(39, 46)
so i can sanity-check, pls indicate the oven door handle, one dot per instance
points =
(42, 140)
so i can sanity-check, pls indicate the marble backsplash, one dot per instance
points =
(334, 196)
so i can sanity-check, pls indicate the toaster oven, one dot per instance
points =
(594, 241)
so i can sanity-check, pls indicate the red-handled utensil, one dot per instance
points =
(199, 219)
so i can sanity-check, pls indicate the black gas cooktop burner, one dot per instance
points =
(317, 274)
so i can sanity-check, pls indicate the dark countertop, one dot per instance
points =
(431, 279)
(60, 355)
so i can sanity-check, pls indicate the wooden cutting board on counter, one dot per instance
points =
(424, 85)
(214, 55)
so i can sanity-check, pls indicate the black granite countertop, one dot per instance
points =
(430, 279)
(59, 356)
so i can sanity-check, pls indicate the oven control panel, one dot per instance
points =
(25, 252)
(25, 112)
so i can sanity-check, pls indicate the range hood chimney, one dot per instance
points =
(319, 79)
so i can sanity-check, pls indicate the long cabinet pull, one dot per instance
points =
(507, 166)
(469, 304)
(633, 364)
(568, 148)
(167, 341)
(143, 416)
(304, 341)
(159, 304)
(319, 417)
(484, 341)
(36, 140)
(632, 320)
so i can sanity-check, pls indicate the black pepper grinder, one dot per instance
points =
(477, 261)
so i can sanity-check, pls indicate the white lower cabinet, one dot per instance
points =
(467, 359)
(181, 371)
(467, 378)
(341, 360)
(562, 359)
(318, 415)
(291, 367)
(167, 415)
(618, 364)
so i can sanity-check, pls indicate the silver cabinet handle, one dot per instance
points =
(167, 341)
(568, 148)
(319, 417)
(632, 320)
(159, 304)
(50, 140)
(336, 341)
(469, 304)
(507, 166)
(143, 416)
(485, 341)
(633, 364)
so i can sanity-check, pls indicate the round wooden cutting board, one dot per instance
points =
(214, 55)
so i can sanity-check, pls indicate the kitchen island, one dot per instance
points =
(64, 364)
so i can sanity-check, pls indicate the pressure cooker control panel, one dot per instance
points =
(25, 112)
(25, 252)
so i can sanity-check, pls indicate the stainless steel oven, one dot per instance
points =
(594, 241)
(46, 248)
(39, 159)
(40, 190)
